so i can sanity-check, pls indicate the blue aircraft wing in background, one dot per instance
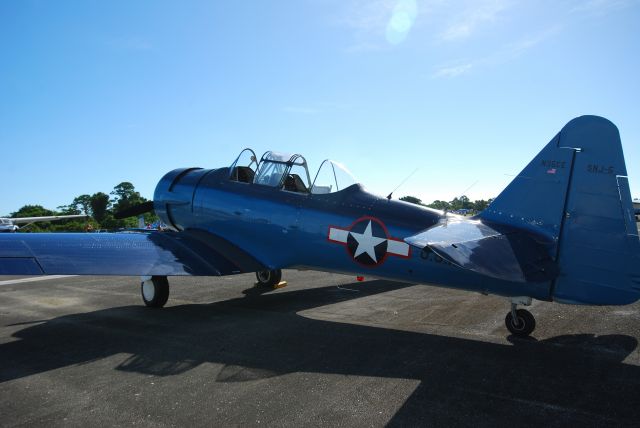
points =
(191, 252)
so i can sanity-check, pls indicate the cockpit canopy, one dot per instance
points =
(286, 171)
(289, 172)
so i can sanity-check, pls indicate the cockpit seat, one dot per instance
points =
(243, 174)
(293, 183)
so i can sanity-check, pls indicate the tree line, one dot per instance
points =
(457, 203)
(100, 207)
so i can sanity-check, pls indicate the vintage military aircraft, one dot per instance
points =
(563, 230)
(10, 224)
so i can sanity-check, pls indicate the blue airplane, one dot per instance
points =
(563, 230)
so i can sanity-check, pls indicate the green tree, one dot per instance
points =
(83, 204)
(80, 205)
(411, 199)
(480, 205)
(99, 206)
(32, 211)
(125, 196)
(440, 205)
(68, 210)
(459, 203)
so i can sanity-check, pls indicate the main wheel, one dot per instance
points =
(155, 292)
(524, 324)
(269, 278)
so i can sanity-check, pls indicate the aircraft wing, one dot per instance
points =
(192, 252)
(23, 220)
(504, 253)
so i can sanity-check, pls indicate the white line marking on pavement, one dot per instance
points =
(34, 278)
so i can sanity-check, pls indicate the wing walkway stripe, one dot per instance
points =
(34, 278)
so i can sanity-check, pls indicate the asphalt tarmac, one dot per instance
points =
(323, 351)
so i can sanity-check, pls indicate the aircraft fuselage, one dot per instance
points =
(350, 231)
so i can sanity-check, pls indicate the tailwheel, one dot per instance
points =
(268, 278)
(521, 324)
(155, 291)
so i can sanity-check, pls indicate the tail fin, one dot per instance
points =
(576, 192)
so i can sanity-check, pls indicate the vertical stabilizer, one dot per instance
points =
(576, 193)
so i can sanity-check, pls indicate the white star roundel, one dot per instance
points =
(368, 242)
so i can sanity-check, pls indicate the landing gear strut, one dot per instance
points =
(268, 278)
(155, 291)
(520, 322)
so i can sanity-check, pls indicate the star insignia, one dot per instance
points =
(368, 242)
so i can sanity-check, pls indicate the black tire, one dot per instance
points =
(155, 292)
(525, 324)
(269, 278)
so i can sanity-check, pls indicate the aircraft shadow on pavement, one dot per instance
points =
(567, 379)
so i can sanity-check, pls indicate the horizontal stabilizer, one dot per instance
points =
(192, 252)
(507, 254)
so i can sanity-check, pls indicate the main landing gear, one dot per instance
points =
(269, 278)
(520, 322)
(155, 291)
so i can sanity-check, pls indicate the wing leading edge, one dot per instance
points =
(192, 252)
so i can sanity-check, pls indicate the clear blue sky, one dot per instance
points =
(93, 93)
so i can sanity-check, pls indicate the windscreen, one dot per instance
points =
(270, 173)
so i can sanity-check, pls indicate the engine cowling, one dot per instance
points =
(173, 197)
